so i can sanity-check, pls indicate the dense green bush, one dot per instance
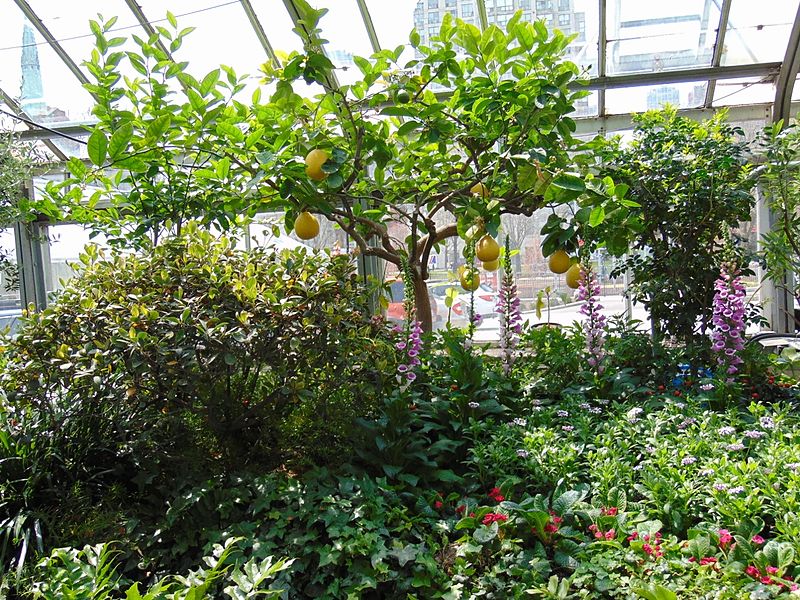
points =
(691, 183)
(193, 358)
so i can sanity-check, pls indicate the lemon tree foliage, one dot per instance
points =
(478, 125)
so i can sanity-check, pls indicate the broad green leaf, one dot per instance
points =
(97, 147)
(597, 217)
(120, 140)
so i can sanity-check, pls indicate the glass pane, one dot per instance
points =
(586, 107)
(758, 31)
(69, 23)
(347, 36)
(48, 92)
(743, 91)
(67, 242)
(393, 21)
(278, 26)
(650, 36)
(223, 35)
(10, 305)
(647, 97)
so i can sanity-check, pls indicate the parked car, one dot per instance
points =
(438, 290)
(485, 302)
(396, 310)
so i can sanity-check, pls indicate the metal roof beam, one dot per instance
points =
(719, 48)
(53, 42)
(255, 23)
(482, 18)
(788, 74)
(370, 26)
(602, 46)
(17, 109)
(332, 82)
(147, 26)
(765, 70)
(56, 130)
(736, 114)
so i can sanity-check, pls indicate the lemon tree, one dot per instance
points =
(383, 158)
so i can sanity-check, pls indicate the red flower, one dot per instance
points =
(772, 570)
(648, 549)
(551, 528)
(460, 509)
(633, 536)
(495, 494)
(610, 511)
(766, 580)
(490, 518)
(438, 504)
(753, 571)
(708, 560)
(661, 388)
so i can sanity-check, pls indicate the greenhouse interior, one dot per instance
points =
(414, 299)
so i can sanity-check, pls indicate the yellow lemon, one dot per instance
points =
(470, 279)
(573, 276)
(480, 190)
(306, 226)
(491, 265)
(487, 249)
(559, 261)
(314, 161)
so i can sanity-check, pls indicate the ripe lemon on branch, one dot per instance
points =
(559, 262)
(469, 278)
(487, 249)
(314, 161)
(306, 226)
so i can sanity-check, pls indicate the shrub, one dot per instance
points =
(194, 357)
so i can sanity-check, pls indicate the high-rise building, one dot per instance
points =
(558, 14)
(31, 88)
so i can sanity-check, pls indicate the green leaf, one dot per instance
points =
(158, 127)
(209, 81)
(97, 147)
(570, 182)
(485, 533)
(656, 592)
(120, 140)
(597, 217)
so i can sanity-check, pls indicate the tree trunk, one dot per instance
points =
(422, 300)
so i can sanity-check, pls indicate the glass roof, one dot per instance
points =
(623, 52)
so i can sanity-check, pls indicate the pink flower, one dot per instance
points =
(753, 571)
(611, 534)
(757, 539)
(772, 570)
(551, 528)
(633, 536)
(725, 538)
(708, 560)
